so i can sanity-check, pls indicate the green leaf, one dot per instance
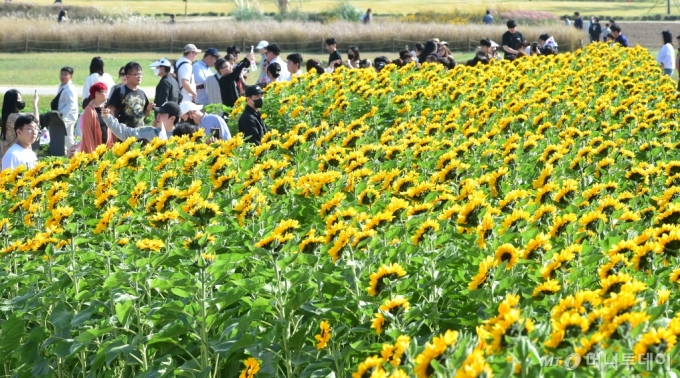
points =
(114, 349)
(83, 316)
(60, 316)
(92, 334)
(41, 367)
(169, 334)
(180, 292)
(299, 299)
(230, 347)
(114, 280)
(231, 296)
(13, 329)
(123, 311)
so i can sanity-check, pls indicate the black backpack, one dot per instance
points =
(179, 83)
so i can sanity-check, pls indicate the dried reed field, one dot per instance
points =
(44, 35)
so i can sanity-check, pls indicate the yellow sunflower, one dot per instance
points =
(507, 253)
(429, 226)
(389, 272)
(324, 336)
(547, 288)
(483, 275)
(655, 342)
(252, 367)
(433, 351)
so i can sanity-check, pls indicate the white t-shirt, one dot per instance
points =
(17, 155)
(284, 75)
(290, 75)
(95, 78)
(667, 57)
(186, 72)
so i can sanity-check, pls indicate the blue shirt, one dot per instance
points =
(622, 40)
(578, 23)
(488, 19)
(210, 122)
(201, 74)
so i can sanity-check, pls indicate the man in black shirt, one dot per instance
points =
(332, 48)
(167, 88)
(512, 39)
(250, 123)
(229, 80)
(129, 103)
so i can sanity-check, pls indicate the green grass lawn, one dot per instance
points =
(42, 69)
(43, 103)
(636, 8)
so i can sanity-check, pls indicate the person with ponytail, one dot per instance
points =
(12, 105)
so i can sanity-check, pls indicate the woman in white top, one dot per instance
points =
(666, 57)
(97, 75)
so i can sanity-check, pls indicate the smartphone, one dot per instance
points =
(534, 45)
(215, 133)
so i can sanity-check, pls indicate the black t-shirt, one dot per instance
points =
(130, 106)
(335, 55)
(512, 41)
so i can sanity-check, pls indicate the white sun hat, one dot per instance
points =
(162, 63)
(187, 106)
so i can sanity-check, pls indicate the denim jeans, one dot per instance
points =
(668, 71)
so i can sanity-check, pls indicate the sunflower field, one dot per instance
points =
(519, 218)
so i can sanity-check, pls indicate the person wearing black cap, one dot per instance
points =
(511, 41)
(231, 75)
(167, 116)
(250, 123)
(273, 52)
(201, 73)
(483, 55)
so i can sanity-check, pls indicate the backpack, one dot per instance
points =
(179, 83)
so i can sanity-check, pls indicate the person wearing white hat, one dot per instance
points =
(494, 51)
(167, 89)
(213, 125)
(185, 72)
(261, 48)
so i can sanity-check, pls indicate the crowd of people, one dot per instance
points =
(116, 111)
